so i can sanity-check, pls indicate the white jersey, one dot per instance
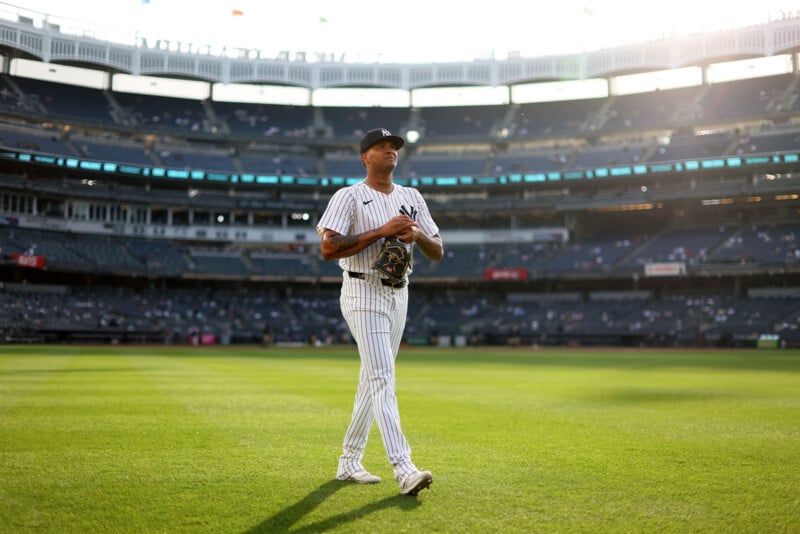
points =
(359, 208)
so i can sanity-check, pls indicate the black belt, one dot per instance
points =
(384, 281)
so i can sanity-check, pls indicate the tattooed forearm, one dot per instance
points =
(343, 243)
(339, 246)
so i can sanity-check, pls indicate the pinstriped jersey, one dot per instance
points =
(359, 208)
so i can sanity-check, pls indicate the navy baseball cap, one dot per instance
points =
(379, 134)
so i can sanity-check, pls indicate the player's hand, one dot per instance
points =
(397, 225)
(409, 235)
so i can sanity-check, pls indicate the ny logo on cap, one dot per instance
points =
(385, 132)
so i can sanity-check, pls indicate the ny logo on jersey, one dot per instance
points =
(412, 213)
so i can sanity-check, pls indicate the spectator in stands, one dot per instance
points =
(267, 338)
(194, 336)
(433, 338)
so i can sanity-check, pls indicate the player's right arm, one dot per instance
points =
(335, 245)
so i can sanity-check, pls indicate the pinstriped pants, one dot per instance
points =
(376, 316)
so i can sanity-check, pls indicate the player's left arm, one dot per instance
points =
(431, 244)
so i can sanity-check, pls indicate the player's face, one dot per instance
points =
(381, 156)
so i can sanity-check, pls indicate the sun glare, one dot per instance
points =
(418, 31)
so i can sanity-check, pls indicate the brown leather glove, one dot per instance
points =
(393, 260)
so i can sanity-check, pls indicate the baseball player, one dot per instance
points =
(356, 222)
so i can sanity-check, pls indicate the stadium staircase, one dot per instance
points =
(489, 164)
(248, 263)
(630, 256)
(27, 102)
(320, 129)
(732, 145)
(597, 120)
(212, 122)
(715, 250)
(510, 120)
(689, 112)
(649, 151)
(785, 101)
(66, 139)
(118, 114)
(421, 313)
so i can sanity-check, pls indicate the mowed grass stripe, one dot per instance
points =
(73, 439)
(120, 431)
(245, 439)
(694, 427)
(104, 434)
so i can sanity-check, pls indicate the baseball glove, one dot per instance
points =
(393, 259)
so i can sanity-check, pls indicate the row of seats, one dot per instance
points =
(246, 315)
(231, 160)
(762, 245)
(672, 109)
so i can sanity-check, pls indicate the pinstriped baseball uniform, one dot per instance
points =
(376, 316)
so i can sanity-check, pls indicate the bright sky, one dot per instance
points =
(412, 30)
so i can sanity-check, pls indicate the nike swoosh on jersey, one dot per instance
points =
(365, 202)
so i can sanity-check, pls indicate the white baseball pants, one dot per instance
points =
(376, 316)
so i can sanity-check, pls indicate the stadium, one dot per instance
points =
(673, 211)
(606, 346)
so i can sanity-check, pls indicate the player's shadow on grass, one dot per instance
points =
(283, 520)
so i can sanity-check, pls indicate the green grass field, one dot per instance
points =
(246, 439)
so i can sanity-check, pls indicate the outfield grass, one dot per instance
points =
(158, 439)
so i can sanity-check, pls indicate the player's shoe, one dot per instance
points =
(360, 477)
(416, 482)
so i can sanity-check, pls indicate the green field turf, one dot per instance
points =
(246, 439)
